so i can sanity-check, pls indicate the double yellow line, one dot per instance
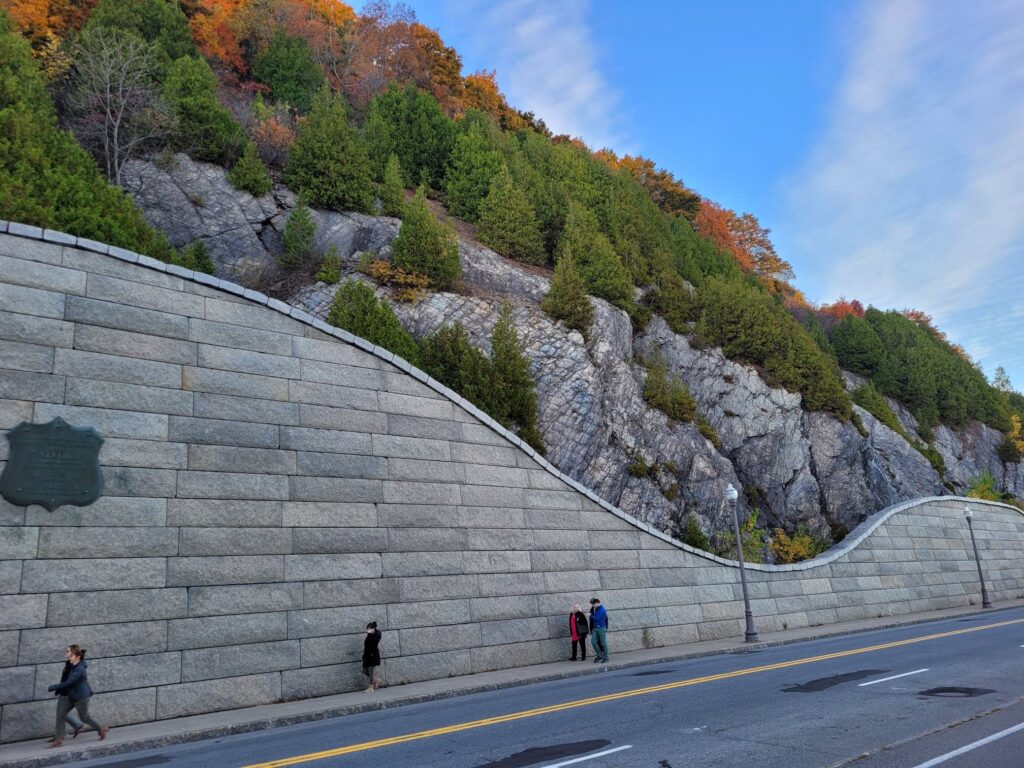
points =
(367, 745)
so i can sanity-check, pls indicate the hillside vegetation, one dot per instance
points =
(350, 109)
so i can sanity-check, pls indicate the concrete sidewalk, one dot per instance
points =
(131, 738)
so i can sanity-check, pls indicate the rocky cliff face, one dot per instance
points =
(799, 468)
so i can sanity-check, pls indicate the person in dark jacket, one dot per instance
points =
(578, 631)
(75, 692)
(371, 655)
(599, 630)
(69, 718)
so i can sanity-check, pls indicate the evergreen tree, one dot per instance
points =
(288, 68)
(299, 235)
(567, 298)
(517, 408)
(426, 246)
(411, 124)
(448, 356)
(473, 165)
(330, 268)
(357, 309)
(196, 257)
(392, 192)
(156, 21)
(857, 346)
(508, 223)
(600, 266)
(328, 161)
(249, 173)
(205, 129)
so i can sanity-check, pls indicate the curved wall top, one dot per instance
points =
(273, 483)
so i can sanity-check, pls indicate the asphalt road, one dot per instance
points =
(947, 693)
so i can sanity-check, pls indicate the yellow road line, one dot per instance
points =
(367, 745)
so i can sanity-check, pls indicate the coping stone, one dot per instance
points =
(53, 236)
(25, 230)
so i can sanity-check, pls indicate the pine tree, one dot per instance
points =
(426, 246)
(472, 167)
(857, 346)
(508, 223)
(299, 234)
(448, 356)
(567, 298)
(357, 309)
(330, 267)
(600, 266)
(392, 192)
(196, 257)
(249, 173)
(205, 129)
(328, 161)
(517, 408)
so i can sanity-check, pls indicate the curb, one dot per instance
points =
(268, 723)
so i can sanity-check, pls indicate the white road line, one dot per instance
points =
(589, 757)
(894, 677)
(980, 743)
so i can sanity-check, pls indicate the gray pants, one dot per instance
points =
(64, 707)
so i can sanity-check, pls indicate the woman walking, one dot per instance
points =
(578, 630)
(74, 693)
(371, 655)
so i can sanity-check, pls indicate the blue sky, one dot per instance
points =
(882, 142)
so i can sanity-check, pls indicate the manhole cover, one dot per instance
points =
(956, 692)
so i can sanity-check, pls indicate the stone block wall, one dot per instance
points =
(273, 484)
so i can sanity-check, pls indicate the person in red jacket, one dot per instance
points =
(578, 630)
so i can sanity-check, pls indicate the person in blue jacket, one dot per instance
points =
(599, 630)
(74, 692)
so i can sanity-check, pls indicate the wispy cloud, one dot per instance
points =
(914, 195)
(547, 63)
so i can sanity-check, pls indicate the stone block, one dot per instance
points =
(332, 567)
(107, 315)
(240, 337)
(109, 607)
(109, 423)
(426, 540)
(231, 408)
(430, 613)
(339, 649)
(416, 426)
(339, 540)
(25, 385)
(423, 563)
(231, 485)
(249, 316)
(540, 499)
(18, 684)
(10, 577)
(342, 419)
(496, 657)
(325, 440)
(40, 646)
(561, 539)
(233, 383)
(214, 695)
(215, 513)
(342, 465)
(492, 496)
(321, 514)
(212, 631)
(235, 660)
(128, 397)
(136, 294)
(33, 274)
(34, 719)
(32, 302)
(320, 622)
(554, 560)
(505, 477)
(21, 356)
(133, 481)
(67, 543)
(144, 346)
(223, 541)
(22, 243)
(11, 515)
(323, 681)
(112, 511)
(491, 517)
(247, 361)
(9, 648)
(342, 375)
(429, 471)
(121, 673)
(328, 394)
(150, 454)
(71, 575)
(127, 370)
(500, 584)
(401, 492)
(545, 480)
(229, 458)
(614, 558)
(249, 598)
(572, 581)
(413, 642)
(22, 611)
(496, 562)
(495, 455)
(235, 569)
(332, 352)
(416, 516)
(416, 588)
(410, 405)
(478, 433)
(13, 412)
(18, 543)
(348, 592)
(501, 608)
(221, 432)
(499, 538)
(337, 489)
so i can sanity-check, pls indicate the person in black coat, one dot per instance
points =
(579, 628)
(69, 718)
(74, 691)
(371, 655)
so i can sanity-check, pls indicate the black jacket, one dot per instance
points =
(371, 656)
(76, 685)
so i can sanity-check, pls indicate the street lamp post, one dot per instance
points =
(732, 495)
(985, 602)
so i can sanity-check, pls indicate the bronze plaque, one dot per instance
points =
(52, 465)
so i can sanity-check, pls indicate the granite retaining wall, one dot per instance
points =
(272, 484)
